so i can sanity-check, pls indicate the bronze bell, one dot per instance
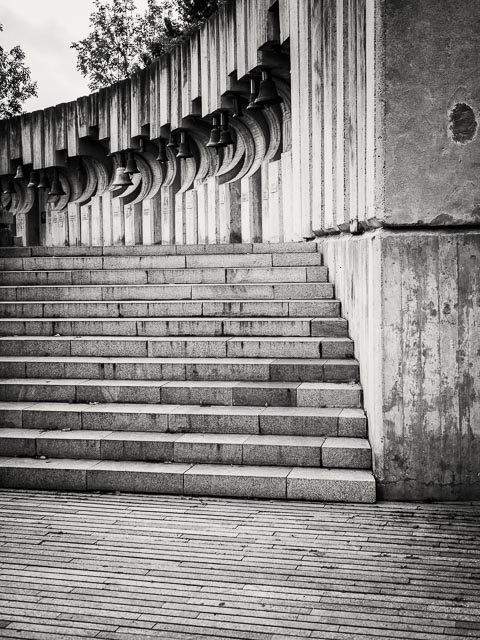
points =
(267, 94)
(237, 109)
(19, 175)
(184, 150)
(56, 189)
(43, 183)
(252, 104)
(172, 143)
(214, 140)
(162, 151)
(122, 178)
(9, 187)
(225, 133)
(131, 166)
(34, 180)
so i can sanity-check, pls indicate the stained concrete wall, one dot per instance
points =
(413, 304)
(430, 63)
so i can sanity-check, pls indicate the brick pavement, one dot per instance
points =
(130, 566)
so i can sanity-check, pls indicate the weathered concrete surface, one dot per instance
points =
(413, 305)
(432, 57)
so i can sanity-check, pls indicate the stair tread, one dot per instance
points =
(206, 438)
(164, 360)
(313, 339)
(188, 383)
(183, 409)
(202, 469)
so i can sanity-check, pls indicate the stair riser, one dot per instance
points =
(235, 261)
(270, 422)
(337, 372)
(172, 449)
(214, 348)
(333, 327)
(186, 480)
(164, 276)
(170, 292)
(271, 308)
(178, 393)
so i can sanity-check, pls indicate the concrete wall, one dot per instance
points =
(413, 304)
(430, 64)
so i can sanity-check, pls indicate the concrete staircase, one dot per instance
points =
(220, 370)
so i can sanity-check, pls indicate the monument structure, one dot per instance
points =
(261, 254)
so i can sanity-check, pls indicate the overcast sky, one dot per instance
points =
(45, 30)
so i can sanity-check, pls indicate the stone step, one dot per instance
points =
(108, 368)
(134, 262)
(178, 347)
(203, 392)
(195, 448)
(190, 326)
(171, 308)
(152, 275)
(265, 291)
(279, 421)
(163, 250)
(295, 483)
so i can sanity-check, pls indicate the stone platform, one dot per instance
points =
(117, 566)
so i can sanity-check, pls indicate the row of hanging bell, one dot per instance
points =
(267, 93)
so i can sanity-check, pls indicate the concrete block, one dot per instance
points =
(197, 392)
(352, 423)
(11, 414)
(289, 451)
(299, 421)
(330, 327)
(109, 346)
(70, 444)
(198, 347)
(18, 442)
(229, 260)
(147, 447)
(18, 390)
(347, 453)
(273, 347)
(126, 417)
(168, 309)
(146, 292)
(336, 485)
(266, 274)
(233, 291)
(297, 370)
(282, 394)
(329, 394)
(186, 276)
(141, 261)
(235, 481)
(228, 369)
(309, 291)
(137, 477)
(317, 274)
(21, 310)
(285, 247)
(314, 308)
(209, 448)
(193, 249)
(246, 308)
(338, 370)
(225, 419)
(8, 294)
(337, 348)
(115, 391)
(296, 259)
(263, 327)
(11, 369)
(29, 473)
(49, 415)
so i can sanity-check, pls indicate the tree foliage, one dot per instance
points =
(16, 85)
(122, 41)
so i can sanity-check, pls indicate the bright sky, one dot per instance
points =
(45, 30)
